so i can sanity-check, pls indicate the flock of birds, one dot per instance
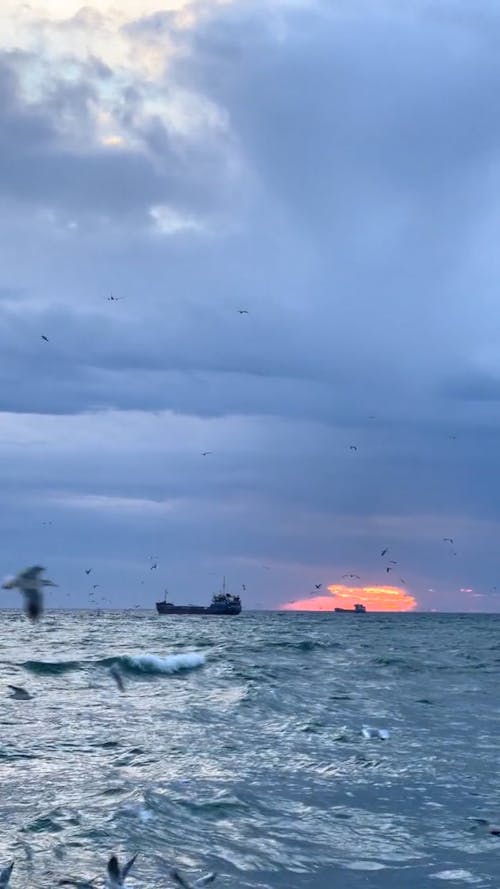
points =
(31, 585)
(392, 563)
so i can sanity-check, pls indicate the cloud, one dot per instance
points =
(374, 598)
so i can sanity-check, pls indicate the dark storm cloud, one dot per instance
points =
(347, 198)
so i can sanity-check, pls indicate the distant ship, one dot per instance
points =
(358, 609)
(222, 604)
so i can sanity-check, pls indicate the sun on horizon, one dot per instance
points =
(374, 598)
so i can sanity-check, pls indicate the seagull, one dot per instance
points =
(201, 881)
(353, 448)
(117, 874)
(242, 311)
(370, 733)
(19, 694)
(113, 299)
(351, 576)
(402, 580)
(45, 338)
(5, 875)
(96, 586)
(388, 569)
(116, 674)
(153, 567)
(453, 437)
(266, 567)
(243, 587)
(206, 453)
(88, 570)
(384, 551)
(30, 584)
(392, 562)
(317, 586)
(447, 539)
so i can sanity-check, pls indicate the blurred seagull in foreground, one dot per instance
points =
(201, 881)
(5, 875)
(116, 674)
(117, 874)
(19, 694)
(30, 583)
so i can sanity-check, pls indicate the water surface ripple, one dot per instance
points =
(249, 759)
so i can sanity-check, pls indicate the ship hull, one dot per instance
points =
(228, 610)
(349, 611)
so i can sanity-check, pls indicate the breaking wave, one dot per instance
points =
(152, 663)
(138, 663)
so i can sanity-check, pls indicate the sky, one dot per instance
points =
(332, 168)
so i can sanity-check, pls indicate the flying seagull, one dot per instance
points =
(317, 586)
(384, 551)
(243, 587)
(96, 586)
(353, 448)
(88, 570)
(351, 576)
(153, 567)
(117, 874)
(113, 299)
(5, 875)
(242, 311)
(447, 539)
(45, 338)
(388, 569)
(19, 694)
(201, 881)
(30, 583)
(206, 453)
(116, 673)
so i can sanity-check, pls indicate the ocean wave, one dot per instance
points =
(139, 663)
(153, 664)
(43, 668)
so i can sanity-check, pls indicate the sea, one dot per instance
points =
(237, 746)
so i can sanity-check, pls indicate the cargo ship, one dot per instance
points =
(222, 604)
(358, 609)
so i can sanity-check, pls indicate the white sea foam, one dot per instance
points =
(172, 663)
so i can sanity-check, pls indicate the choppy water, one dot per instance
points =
(250, 760)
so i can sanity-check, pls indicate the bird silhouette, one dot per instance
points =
(388, 569)
(153, 567)
(117, 874)
(242, 311)
(113, 299)
(5, 875)
(447, 539)
(351, 576)
(318, 586)
(353, 448)
(96, 586)
(206, 453)
(30, 584)
(88, 570)
(45, 338)
(384, 551)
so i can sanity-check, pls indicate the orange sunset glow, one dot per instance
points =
(375, 598)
